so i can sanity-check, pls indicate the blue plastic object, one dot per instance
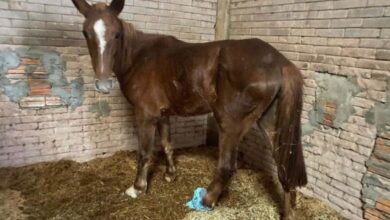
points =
(196, 201)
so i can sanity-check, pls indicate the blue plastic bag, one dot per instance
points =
(196, 201)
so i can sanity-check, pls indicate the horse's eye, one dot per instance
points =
(117, 35)
(85, 34)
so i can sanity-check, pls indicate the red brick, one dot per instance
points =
(34, 91)
(330, 110)
(18, 70)
(383, 205)
(30, 61)
(374, 213)
(327, 122)
(39, 83)
(331, 105)
(379, 171)
(328, 117)
(383, 148)
(369, 216)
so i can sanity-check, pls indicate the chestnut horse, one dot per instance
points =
(239, 81)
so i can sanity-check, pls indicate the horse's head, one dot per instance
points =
(102, 29)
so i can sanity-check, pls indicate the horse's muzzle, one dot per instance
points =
(104, 86)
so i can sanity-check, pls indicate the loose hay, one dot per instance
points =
(11, 205)
(95, 190)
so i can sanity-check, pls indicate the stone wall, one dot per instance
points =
(49, 109)
(342, 48)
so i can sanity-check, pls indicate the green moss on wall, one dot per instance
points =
(102, 108)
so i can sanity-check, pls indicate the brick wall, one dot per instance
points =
(57, 22)
(56, 120)
(342, 48)
(376, 181)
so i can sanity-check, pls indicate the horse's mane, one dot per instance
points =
(129, 32)
(132, 42)
(123, 57)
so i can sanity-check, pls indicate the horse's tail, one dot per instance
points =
(288, 146)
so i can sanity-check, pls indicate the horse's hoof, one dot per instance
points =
(169, 177)
(209, 201)
(133, 192)
(290, 216)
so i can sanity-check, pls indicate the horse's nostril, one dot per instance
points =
(103, 86)
(97, 84)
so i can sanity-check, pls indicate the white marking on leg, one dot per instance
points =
(168, 179)
(100, 30)
(132, 192)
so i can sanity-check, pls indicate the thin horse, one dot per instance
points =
(240, 81)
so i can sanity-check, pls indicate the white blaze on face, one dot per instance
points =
(100, 30)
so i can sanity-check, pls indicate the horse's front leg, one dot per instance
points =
(164, 129)
(146, 132)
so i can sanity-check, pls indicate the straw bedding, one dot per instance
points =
(95, 190)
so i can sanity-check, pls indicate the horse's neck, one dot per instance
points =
(133, 43)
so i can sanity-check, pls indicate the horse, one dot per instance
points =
(240, 81)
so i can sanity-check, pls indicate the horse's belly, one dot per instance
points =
(188, 106)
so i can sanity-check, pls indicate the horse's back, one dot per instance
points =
(212, 74)
(246, 60)
(190, 78)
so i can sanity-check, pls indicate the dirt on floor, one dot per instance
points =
(95, 190)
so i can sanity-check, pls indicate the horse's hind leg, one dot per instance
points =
(287, 213)
(228, 149)
(288, 197)
(289, 203)
(267, 127)
(164, 130)
(293, 198)
(230, 134)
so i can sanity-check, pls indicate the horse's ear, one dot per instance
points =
(117, 6)
(82, 6)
